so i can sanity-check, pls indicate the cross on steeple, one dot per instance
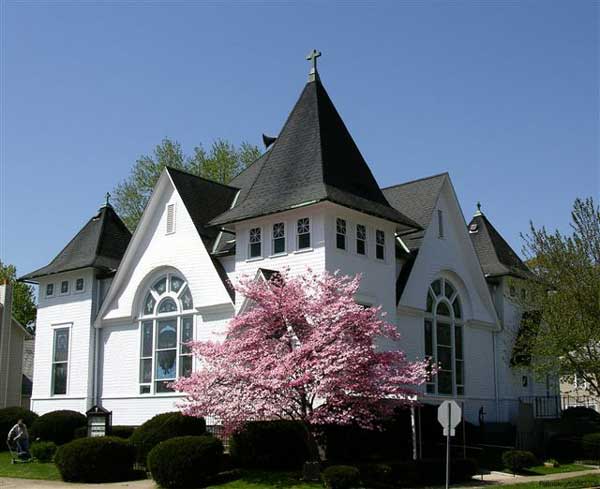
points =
(313, 74)
(107, 197)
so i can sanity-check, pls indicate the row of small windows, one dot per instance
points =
(341, 239)
(278, 236)
(65, 287)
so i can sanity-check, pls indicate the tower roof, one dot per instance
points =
(313, 159)
(100, 244)
(496, 256)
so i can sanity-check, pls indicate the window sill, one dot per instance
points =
(277, 255)
(303, 250)
(256, 258)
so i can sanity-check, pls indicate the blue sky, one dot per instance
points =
(503, 95)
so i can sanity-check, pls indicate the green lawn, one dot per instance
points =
(270, 480)
(33, 470)
(581, 482)
(543, 470)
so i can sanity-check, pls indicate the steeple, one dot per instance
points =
(313, 159)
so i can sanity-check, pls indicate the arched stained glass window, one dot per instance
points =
(166, 328)
(444, 338)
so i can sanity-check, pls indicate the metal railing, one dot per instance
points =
(544, 407)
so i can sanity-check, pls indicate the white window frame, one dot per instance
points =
(341, 230)
(55, 328)
(75, 291)
(309, 233)
(53, 289)
(168, 207)
(155, 318)
(454, 323)
(273, 238)
(250, 243)
(68, 282)
(364, 240)
(379, 245)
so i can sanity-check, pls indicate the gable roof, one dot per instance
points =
(203, 199)
(417, 199)
(100, 244)
(496, 256)
(313, 159)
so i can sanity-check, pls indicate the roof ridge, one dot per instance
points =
(103, 212)
(417, 180)
(185, 172)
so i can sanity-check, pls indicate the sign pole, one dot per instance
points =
(448, 448)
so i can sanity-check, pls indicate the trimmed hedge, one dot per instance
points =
(565, 448)
(101, 459)
(186, 461)
(43, 451)
(517, 460)
(57, 426)
(124, 432)
(591, 446)
(275, 444)
(9, 417)
(341, 477)
(163, 427)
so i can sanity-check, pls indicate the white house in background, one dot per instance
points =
(15, 345)
(114, 309)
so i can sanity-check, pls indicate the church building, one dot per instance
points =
(115, 309)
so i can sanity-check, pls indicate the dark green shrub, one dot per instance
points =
(432, 471)
(377, 475)
(463, 469)
(9, 417)
(579, 421)
(591, 446)
(101, 459)
(57, 426)
(518, 460)
(341, 477)
(80, 432)
(122, 431)
(43, 450)
(163, 427)
(185, 461)
(270, 445)
(564, 448)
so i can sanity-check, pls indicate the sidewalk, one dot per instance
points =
(9, 483)
(500, 478)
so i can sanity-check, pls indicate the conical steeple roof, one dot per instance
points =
(313, 159)
(100, 244)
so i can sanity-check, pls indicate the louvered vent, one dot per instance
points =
(170, 218)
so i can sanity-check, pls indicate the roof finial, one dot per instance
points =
(313, 74)
(478, 213)
(107, 197)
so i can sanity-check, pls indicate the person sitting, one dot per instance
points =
(19, 435)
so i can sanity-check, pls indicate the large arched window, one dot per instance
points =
(444, 339)
(166, 324)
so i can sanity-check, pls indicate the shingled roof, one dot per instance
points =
(416, 199)
(496, 256)
(100, 244)
(313, 159)
(204, 199)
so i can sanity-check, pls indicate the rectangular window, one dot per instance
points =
(340, 234)
(444, 358)
(255, 243)
(79, 283)
(278, 238)
(165, 368)
(146, 346)
(440, 224)
(49, 290)
(60, 361)
(380, 244)
(429, 353)
(459, 360)
(64, 287)
(170, 218)
(361, 239)
(303, 232)
(185, 352)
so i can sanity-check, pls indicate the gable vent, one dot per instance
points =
(170, 218)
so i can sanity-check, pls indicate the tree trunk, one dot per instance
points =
(311, 470)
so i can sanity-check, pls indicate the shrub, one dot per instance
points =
(517, 460)
(579, 421)
(43, 450)
(9, 417)
(122, 431)
(101, 459)
(341, 477)
(591, 446)
(377, 475)
(552, 463)
(270, 445)
(564, 448)
(57, 426)
(80, 432)
(432, 471)
(163, 427)
(186, 461)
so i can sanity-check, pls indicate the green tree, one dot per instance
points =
(566, 293)
(221, 163)
(24, 308)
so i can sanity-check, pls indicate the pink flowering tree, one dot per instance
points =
(303, 350)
